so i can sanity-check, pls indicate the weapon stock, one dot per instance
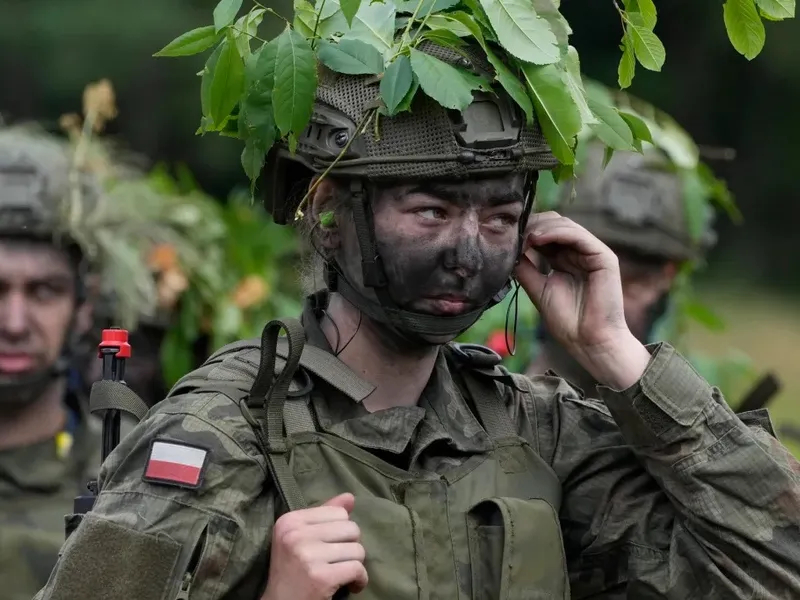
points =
(761, 394)
(112, 350)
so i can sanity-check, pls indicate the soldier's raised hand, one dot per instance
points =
(580, 299)
(315, 551)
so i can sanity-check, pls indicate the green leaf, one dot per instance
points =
(548, 10)
(208, 76)
(248, 26)
(648, 48)
(327, 10)
(445, 38)
(563, 173)
(349, 9)
(225, 13)
(227, 83)
(521, 31)
(256, 110)
(703, 315)
(547, 192)
(611, 128)
(352, 57)
(646, 8)
(295, 82)
(373, 24)
(260, 67)
(777, 10)
(477, 12)
(396, 83)
(190, 43)
(446, 22)
(608, 154)
(511, 84)
(695, 202)
(432, 6)
(405, 105)
(639, 128)
(252, 158)
(327, 219)
(627, 63)
(441, 81)
(745, 28)
(559, 116)
(575, 85)
(304, 18)
(471, 25)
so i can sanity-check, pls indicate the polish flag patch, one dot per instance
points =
(176, 463)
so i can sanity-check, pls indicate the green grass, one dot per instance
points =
(765, 327)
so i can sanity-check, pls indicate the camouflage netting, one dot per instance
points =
(425, 143)
(489, 138)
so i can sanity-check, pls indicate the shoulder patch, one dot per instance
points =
(176, 463)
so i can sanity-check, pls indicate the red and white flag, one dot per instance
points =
(175, 463)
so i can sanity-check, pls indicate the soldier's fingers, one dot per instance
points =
(339, 553)
(310, 516)
(333, 531)
(351, 573)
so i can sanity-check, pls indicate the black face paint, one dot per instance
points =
(455, 267)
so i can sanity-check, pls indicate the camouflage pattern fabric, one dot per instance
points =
(38, 484)
(665, 492)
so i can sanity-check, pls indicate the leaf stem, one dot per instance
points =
(255, 37)
(418, 37)
(316, 25)
(360, 129)
(271, 11)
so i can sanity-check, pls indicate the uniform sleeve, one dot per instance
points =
(668, 494)
(152, 540)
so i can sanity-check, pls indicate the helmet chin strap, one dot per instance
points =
(412, 327)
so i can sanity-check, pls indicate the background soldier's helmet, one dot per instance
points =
(636, 203)
(35, 184)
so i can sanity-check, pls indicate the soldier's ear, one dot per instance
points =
(324, 211)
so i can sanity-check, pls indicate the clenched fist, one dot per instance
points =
(315, 551)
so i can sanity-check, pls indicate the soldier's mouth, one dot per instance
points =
(446, 304)
(13, 363)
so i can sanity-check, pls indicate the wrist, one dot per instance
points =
(619, 364)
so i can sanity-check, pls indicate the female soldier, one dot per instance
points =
(386, 461)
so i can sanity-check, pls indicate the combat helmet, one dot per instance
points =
(491, 137)
(654, 203)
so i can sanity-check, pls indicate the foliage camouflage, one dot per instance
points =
(267, 94)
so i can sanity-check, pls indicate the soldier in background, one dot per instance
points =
(49, 444)
(70, 229)
(636, 206)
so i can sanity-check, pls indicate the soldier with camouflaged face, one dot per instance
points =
(49, 444)
(636, 206)
(385, 460)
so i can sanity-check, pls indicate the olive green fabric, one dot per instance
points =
(665, 492)
(37, 489)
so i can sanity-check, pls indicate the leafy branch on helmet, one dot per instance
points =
(267, 94)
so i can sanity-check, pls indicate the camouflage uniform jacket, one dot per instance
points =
(666, 493)
(38, 484)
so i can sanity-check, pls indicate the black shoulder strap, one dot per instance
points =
(270, 392)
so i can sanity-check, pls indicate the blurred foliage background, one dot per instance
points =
(53, 48)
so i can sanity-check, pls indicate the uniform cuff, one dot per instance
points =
(669, 398)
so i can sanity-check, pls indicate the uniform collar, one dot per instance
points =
(442, 415)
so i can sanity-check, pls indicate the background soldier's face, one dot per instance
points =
(37, 306)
